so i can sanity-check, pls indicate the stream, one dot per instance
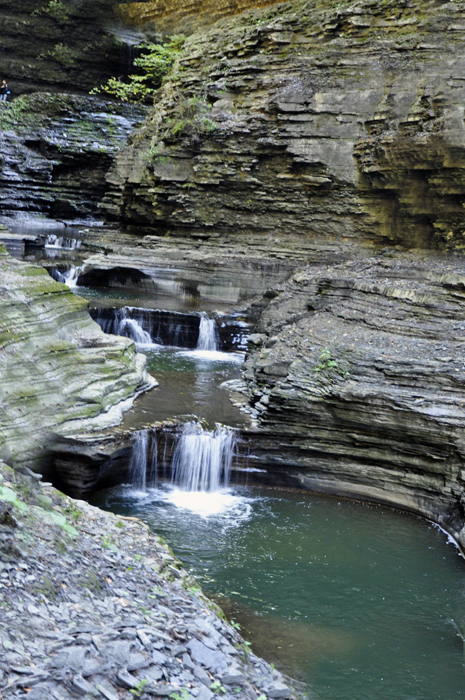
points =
(357, 601)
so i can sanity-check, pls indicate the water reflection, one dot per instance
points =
(357, 600)
(189, 386)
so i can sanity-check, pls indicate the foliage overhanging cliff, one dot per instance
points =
(338, 125)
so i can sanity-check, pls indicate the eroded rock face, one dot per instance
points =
(67, 46)
(58, 371)
(56, 151)
(327, 129)
(357, 382)
(171, 16)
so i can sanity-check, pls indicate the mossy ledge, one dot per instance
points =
(59, 372)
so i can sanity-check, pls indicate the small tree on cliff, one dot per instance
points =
(154, 63)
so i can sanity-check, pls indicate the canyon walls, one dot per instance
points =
(58, 371)
(357, 382)
(333, 129)
(51, 45)
(56, 151)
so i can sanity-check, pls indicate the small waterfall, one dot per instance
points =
(64, 243)
(122, 324)
(153, 477)
(202, 459)
(208, 335)
(130, 328)
(138, 463)
(69, 277)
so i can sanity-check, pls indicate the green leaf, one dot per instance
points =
(59, 519)
(10, 496)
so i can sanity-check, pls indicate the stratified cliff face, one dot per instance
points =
(171, 16)
(58, 371)
(74, 45)
(56, 150)
(357, 381)
(335, 128)
(69, 45)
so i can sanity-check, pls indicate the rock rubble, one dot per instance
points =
(94, 605)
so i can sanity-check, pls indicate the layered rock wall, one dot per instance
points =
(59, 372)
(56, 150)
(331, 129)
(170, 16)
(66, 46)
(357, 382)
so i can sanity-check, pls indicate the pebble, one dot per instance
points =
(99, 612)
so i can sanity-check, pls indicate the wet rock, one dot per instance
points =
(364, 403)
(62, 640)
(35, 309)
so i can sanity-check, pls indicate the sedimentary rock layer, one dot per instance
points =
(357, 382)
(173, 16)
(332, 128)
(56, 150)
(48, 45)
(58, 371)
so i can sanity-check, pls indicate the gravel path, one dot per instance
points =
(94, 605)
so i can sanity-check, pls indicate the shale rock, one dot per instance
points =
(56, 151)
(357, 382)
(58, 371)
(91, 608)
(321, 128)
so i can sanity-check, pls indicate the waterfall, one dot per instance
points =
(153, 477)
(69, 277)
(138, 463)
(131, 328)
(202, 459)
(53, 241)
(207, 334)
(121, 324)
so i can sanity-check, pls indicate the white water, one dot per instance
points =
(131, 328)
(138, 463)
(213, 356)
(233, 509)
(62, 242)
(202, 459)
(208, 337)
(70, 276)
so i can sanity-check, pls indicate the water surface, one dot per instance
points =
(189, 386)
(358, 601)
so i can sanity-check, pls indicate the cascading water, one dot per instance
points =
(62, 242)
(122, 324)
(138, 463)
(208, 334)
(202, 459)
(69, 277)
(132, 329)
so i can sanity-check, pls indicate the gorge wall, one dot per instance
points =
(357, 380)
(59, 46)
(58, 371)
(56, 151)
(331, 129)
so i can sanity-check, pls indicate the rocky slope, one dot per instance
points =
(95, 605)
(59, 372)
(56, 151)
(357, 383)
(333, 129)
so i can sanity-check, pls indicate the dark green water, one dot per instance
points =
(189, 385)
(361, 602)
